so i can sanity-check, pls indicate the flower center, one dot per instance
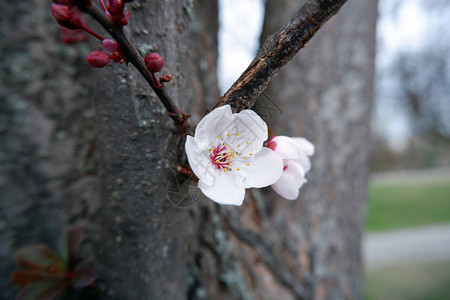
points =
(222, 156)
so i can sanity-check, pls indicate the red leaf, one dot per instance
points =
(39, 257)
(42, 290)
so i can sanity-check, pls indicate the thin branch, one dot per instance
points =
(179, 118)
(277, 51)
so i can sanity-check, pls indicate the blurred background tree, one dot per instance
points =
(413, 80)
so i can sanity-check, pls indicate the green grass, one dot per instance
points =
(394, 206)
(411, 282)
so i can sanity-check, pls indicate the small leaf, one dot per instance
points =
(83, 277)
(23, 278)
(46, 289)
(39, 257)
(69, 244)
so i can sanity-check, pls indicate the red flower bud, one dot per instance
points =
(110, 45)
(66, 17)
(154, 62)
(98, 58)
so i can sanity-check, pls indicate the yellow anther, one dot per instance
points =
(217, 161)
(247, 143)
(228, 134)
(234, 155)
(237, 169)
(238, 134)
(251, 154)
(231, 165)
(239, 146)
(218, 136)
(248, 165)
(245, 157)
(212, 149)
(225, 169)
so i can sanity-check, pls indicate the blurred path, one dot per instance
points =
(412, 176)
(422, 244)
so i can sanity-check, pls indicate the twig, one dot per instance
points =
(277, 51)
(179, 118)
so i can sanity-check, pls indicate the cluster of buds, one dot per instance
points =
(115, 10)
(65, 15)
(74, 26)
(100, 58)
(68, 14)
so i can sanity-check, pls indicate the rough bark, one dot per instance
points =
(142, 245)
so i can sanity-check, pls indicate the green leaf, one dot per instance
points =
(39, 257)
(46, 289)
(84, 276)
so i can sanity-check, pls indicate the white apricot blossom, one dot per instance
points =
(227, 155)
(295, 153)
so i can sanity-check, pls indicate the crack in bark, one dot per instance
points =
(272, 261)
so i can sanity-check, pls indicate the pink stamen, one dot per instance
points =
(220, 157)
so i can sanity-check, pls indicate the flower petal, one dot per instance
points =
(307, 147)
(286, 147)
(286, 188)
(304, 161)
(213, 125)
(265, 169)
(227, 189)
(248, 132)
(200, 162)
(290, 182)
(296, 171)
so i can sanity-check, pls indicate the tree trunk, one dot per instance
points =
(143, 238)
(143, 242)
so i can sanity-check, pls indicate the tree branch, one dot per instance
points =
(179, 118)
(277, 51)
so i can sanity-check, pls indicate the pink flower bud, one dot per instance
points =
(66, 17)
(98, 58)
(154, 62)
(110, 45)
